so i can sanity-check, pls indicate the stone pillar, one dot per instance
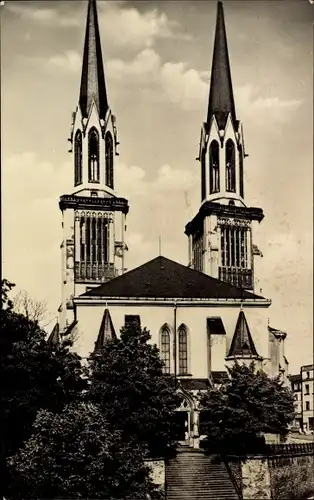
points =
(196, 434)
(111, 238)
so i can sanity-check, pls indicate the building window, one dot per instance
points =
(230, 167)
(234, 242)
(78, 158)
(307, 374)
(132, 320)
(94, 246)
(93, 156)
(307, 406)
(203, 173)
(214, 167)
(183, 350)
(109, 160)
(165, 348)
(241, 173)
(307, 389)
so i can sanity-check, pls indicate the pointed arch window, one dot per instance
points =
(230, 167)
(214, 167)
(165, 348)
(78, 158)
(109, 160)
(241, 173)
(93, 156)
(183, 350)
(203, 167)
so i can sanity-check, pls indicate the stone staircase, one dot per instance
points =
(192, 475)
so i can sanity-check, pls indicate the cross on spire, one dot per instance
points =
(221, 101)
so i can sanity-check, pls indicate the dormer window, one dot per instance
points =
(93, 156)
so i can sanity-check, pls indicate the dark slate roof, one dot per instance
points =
(221, 101)
(194, 384)
(106, 331)
(164, 278)
(215, 326)
(242, 343)
(93, 87)
(219, 377)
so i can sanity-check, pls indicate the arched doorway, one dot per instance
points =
(184, 419)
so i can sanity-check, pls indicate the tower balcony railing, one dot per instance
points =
(237, 276)
(94, 271)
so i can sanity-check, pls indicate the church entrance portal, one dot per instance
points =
(183, 419)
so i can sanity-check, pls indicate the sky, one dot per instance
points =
(157, 57)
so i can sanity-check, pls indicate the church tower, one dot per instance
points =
(220, 235)
(93, 217)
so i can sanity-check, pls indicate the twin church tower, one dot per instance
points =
(94, 218)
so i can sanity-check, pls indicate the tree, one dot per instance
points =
(127, 383)
(73, 454)
(34, 375)
(34, 310)
(247, 405)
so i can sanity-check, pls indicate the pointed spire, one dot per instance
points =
(221, 101)
(93, 87)
(242, 343)
(106, 331)
(54, 337)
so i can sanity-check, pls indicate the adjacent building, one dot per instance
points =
(303, 390)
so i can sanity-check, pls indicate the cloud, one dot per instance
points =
(47, 17)
(250, 101)
(127, 27)
(70, 61)
(172, 82)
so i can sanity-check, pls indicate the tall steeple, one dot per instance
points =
(94, 224)
(93, 86)
(221, 101)
(220, 235)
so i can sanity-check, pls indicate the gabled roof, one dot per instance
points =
(106, 331)
(93, 87)
(164, 278)
(242, 343)
(221, 101)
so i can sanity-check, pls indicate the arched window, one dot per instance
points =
(203, 174)
(241, 173)
(93, 156)
(230, 167)
(214, 167)
(183, 350)
(109, 160)
(78, 158)
(165, 348)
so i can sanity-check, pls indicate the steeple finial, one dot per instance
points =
(221, 101)
(93, 87)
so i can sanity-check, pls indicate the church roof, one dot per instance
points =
(164, 278)
(106, 330)
(242, 343)
(93, 87)
(221, 101)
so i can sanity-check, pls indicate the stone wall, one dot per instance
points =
(157, 472)
(256, 479)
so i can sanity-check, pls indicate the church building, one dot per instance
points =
(202, 316)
